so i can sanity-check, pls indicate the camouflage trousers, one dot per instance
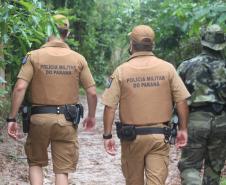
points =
(206, 147)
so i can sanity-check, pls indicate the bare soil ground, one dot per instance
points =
(95, 166)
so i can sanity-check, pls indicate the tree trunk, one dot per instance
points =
(65, 4)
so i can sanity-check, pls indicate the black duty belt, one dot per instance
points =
(152, 130)
(146, 129)
(47, 110)
(129, 132)
(166, 123)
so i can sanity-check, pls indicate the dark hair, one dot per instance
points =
(145, 45)
(142, 47)
(63, 32)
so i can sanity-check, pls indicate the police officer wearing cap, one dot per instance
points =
(145, 88)
(205, 78)
(53, 74)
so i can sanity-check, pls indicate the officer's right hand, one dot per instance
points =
(110, 147)
(182, 138)
(89, 123)
(13, 130)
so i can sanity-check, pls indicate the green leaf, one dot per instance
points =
(26, 38)
(49, 30)
(2, 92)
(219, 8)
(27, 5)
(221, 19)
(22, 45)
(5, 38)
(36, 19)
(201, 12)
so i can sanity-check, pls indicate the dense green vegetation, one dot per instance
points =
(99, 28)
(99, 31)
(223, 181)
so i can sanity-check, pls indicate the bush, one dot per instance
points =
(223, 181)
(4, 107)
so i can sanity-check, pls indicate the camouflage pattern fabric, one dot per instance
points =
(213, 37)
(205, 78)
(206, 141)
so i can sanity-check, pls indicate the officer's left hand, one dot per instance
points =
(182, 138)
(89, 123)
(109, 145)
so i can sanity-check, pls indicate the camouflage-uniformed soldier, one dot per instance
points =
(145, 88)
(53, 73)
(205, 78)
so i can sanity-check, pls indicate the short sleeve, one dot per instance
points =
(26, 71)
(86, 77)
(179, 90)
(181, 70)
(111, 95)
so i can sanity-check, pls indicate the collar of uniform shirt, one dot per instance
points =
(141, 53)
(56, 43)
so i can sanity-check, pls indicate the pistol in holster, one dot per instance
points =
(26, 115)
(74, 113)
(125, 132)
(174, 126)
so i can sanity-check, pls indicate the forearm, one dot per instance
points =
(108, 118)
(183, 113)
(92, 101)
(17, 97)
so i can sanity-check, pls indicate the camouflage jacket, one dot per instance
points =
(205, 78)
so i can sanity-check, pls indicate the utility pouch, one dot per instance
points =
(73, 113)
(126, 132)
(26, 115)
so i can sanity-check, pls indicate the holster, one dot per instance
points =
(26, 114)
(174, 125)
(173, 136)
(125, 132)
(73, 113)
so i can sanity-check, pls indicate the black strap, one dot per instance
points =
(208, 108)
(10, 120)
(152, 130)
(47, 110)
(146, 125)
(109, 136)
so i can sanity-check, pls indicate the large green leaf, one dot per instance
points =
(27, 5)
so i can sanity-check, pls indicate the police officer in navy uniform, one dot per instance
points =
(53, 74)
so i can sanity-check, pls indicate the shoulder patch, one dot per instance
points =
(24, 61)
(110, 79)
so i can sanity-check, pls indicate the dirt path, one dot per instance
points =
(95, 166)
